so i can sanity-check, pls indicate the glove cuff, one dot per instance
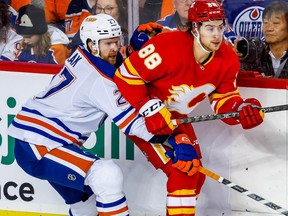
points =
(151, 107)
(249, 101)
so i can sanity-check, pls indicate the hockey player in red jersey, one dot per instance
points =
(168, 78)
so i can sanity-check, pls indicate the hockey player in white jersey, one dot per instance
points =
(52, 126)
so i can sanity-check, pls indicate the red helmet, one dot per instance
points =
(205, 10)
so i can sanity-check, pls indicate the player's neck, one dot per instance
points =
(199, 54)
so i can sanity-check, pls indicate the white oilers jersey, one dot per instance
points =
(10, 47)
(75, 104)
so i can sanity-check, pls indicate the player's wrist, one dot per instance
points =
(151, 107)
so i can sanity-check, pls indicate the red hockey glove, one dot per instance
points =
(157, 117)
(142, 34)
(184, 156)
(250, 114)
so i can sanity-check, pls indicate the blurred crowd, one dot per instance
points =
(47, 31)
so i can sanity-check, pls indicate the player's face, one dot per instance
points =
(31, 39)
(108, 49)
(275, 28)
(211, 34)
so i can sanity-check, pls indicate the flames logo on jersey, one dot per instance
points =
(184, 98)
(248, 22)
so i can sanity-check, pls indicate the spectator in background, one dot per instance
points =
(9, 40)
(13, 11)
(41, 43)
(54, 10)
(151, 10)
(77, 11)
(115, 8)
(269, 57)
(179, 19)
(118, 10)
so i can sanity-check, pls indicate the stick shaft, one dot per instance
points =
(244, 191)
(225, 115)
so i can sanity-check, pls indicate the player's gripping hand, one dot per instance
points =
(150, 28)
(142, 34)
(250, 114)
(184, 156)
(157, 117)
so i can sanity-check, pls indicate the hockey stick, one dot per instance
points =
(243, 191)
(225, 115)
(238, 188)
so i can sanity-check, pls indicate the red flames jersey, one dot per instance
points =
(166, 68)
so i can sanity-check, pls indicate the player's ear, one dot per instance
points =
(90, 47)
(89, 44)
(194, 29)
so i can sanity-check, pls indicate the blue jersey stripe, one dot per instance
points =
(121, 115)
(38, 131)
(108, 205)
(128, 129)
(58, 122)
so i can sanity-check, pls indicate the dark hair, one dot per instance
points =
(4, 15)
(4, 21)
(123, 12)
(88, 41)
(276, 7)
(42, 46)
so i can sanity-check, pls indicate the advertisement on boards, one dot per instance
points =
(23, 193)
(244, 156)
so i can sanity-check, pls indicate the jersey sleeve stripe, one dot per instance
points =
(129, 80)
(48, 127)
(128, 129)
(41, 132)
(123, 114)
(57, 121)
(129, 69)
(216, 96)
(128, 120)
(216, 105)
